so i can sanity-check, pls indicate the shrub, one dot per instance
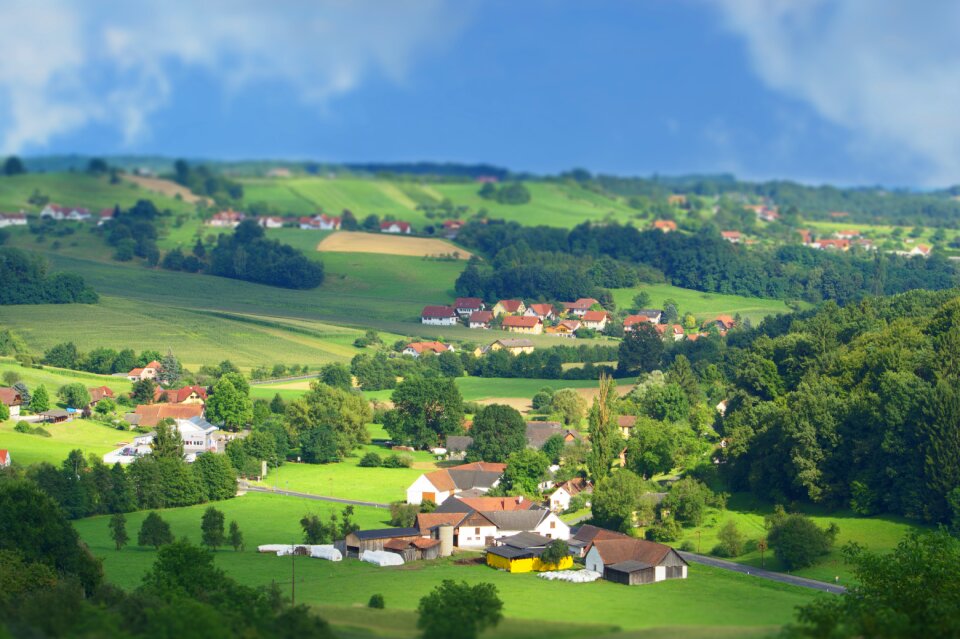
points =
(42, 432)
(688, 546)
(798, 542)
(397, 461)
(403, 515)
(669, 530)
(23, 427)
(370, 460)
(376, 601)
(731, 541)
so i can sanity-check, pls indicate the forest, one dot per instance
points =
(27, 279)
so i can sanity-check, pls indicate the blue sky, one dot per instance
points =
(820, 91)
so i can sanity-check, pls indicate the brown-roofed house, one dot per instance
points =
(522, 324)
(11, 398)
(509, 307)
(439, 315)
(184, 395)
(634, 561)
(148, 415)
(480, 319)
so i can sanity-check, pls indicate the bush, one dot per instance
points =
(661, 531)
(370, 460)
(403, 515)
(376, 601)
(798, 542)
(397, 461)
(688, 546)
(23, 427)
(731, 541)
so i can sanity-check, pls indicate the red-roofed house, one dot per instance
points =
(665, 225)
(416, 349)
(847, 234)
(734, 237)
(509, 307)
(839, 245)
(395, 227)
(147, 372)
(320, 222)
(98, 393)
(480, 319)
(467, 305)
(439, 316)
(15, 219)
(595, 320)
(4, 458)
(522, 324)
(73, 213)
(228, 219)
(185, 395)
(543, 311)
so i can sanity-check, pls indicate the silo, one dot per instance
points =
(446, 540)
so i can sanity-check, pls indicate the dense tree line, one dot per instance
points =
(703, 261)
(27, 280)
(855, 406)
(104, 361)
(133, 233)
(248, 255)
(202, 181)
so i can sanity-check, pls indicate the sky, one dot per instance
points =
(819, 91)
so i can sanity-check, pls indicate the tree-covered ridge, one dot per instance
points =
(612, 254)
(248, 255)
(855, 406)
(25, 279)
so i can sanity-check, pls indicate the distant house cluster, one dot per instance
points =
(318, 222)
(515, 316)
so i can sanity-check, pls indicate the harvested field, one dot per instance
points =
(165, 187)
(384, 244)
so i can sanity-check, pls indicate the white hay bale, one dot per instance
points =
(382, 558)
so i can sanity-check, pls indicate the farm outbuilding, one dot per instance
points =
(362, 541)
(630, 573)
(421, 548)
(634, 561)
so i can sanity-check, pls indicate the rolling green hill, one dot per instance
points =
(78, 189)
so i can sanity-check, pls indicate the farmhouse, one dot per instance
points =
(4, 458)
(320, 222)
(521, 553)
(57, 212)
(469, 530)
(595, 320)
(734, 237)
(395, 227)
(465, 306)
(634, 561)
(642, 317)
(361, 541)
(559, 499)
(539, 432)
(416, 349)
(543, 311)
(581, 306)
(480, 319)
(11, 398)
(509, 307)
(512, 346)
(99, 393)
(438, 485)
(147, 372)
(12, 219)
(439, 316)
(228, 219)
(664, 225)
(185, 395)
(148, 415)
(522, 324)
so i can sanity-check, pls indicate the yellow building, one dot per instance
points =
(521, 553)
(524, 564)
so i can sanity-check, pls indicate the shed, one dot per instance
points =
(362, 541)
(421, 548)
(630, 573)
(55, 416)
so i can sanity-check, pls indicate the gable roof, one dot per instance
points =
(629, 566)
(178, 395)
(539, 432)
(481, 317)
(575, 486)
(403, 226)
(626, 421)
(665, 225)
(466, 476)
(514, 343)
(429, 347)
(589, 532)
(458, 443)
(387, 533)
(614, 551)
(10, 397)
(594, 316)
(426, 522)
(511, 306)
(98, 393)
(520, 321)
(543, 310)
(496, 504)
(516, 519)
(438, 312)
(468, 302)
(525, 540)
(150, 414)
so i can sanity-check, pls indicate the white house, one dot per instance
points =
(480, 319)
(560, 498)
(228, 219)
(270, 222)
(12, 219)
(11, 398)
(416, 349)
(439, 316)
(395, 227)
(198, 435)
(662, 562)
(147, 372)
(537, 520)
(465, 306)
(595, 320)
(439, 485)
(57, 212)
(321, 222)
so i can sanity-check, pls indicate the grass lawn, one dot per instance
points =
(702, 305)
(89, 436)
(722, 598)
(54, 378)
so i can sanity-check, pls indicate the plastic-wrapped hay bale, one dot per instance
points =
(327, 552)
(278, 549)
(382, 558)
(572, 576)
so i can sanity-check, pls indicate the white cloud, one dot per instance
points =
(887, 71)
(110, 63)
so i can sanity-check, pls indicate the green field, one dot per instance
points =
(54, 378)
(90, 437)
(703, 305)
(78, 189)
(722, 599)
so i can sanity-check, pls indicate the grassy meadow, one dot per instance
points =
(723, 599)
(79, 189)
(704, 306)
(91, 437)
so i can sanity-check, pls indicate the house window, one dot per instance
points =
(476, 531)
(553, 524)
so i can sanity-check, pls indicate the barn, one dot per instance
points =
(361, 541)
(421, 548)
(634, 561)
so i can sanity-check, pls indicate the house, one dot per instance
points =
(512, 346)
(451, 228)
(827, 244)
(536, 520)
(4, 458)
(466, 306)
(416, 349)
(543, 311)
(470, 529)
(521, 553)
(270, 222)
(643, 316)
(677, 200)
(12, 399)
(56, 416)
(847, 234)
(360, 541)
(99, 393)
(57, 212)
(595, 320)
(920, 249)
(559, 499)
(457, 446)
(676, 332)
(228, 219)
(539, 432)
(438, 485)
(581, 306)
(582, 537)
(626, 424)
(634, 561)
(198, 435)
(480, 319)
(734, 237)
(148, 415)
(320, 222)
(522, 324)
(479, 520)
(395, 227)
(12, 219)
(147, 372)
(509, 307)
(184, 395)
(439, 316)
(106, 215)
(723, 322)
(805, 236)
(665, 226)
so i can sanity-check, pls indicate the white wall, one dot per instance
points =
(423, 485)
(470, 539)
(593, 561)
(559, 529)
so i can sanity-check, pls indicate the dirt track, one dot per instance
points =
(353, 242)
(165, 187)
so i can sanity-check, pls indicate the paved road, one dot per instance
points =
(291, 493)
(763, 574)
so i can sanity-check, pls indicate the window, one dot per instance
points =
(553, 524)
(476, 531)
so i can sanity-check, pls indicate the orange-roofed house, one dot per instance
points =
(184, 395)
(734, 237)
(723, 322)
(509, 307)
(665, 225)
(150, 371)
(439, 485)
(522, 324)
(416, 349)
(148, 415)
(4, 458)
(543, 311)
(595, 320)
(99, 393)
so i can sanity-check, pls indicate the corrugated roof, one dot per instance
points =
(629, 566)
(387, 533)
(525, 540)
(517, 519)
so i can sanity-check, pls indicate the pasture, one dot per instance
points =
(704, 306)
(79, 189)
(89, 436)
(386, 244)
(722, 599)
(54, 378)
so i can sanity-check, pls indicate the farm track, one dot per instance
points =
(292, 493)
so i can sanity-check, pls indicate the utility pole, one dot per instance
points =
(698, 541)
(293, 574)
(761, 546)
